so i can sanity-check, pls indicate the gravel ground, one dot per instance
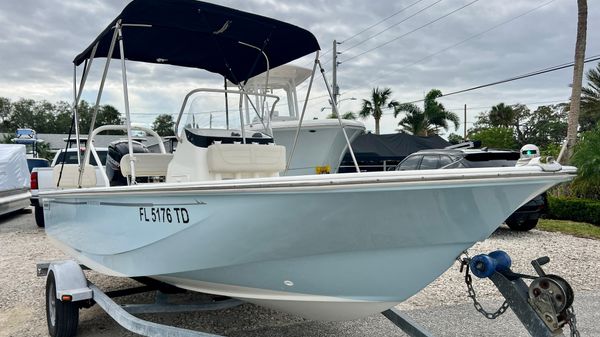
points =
(442, 306)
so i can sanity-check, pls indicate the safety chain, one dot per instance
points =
(572, 321)
(464, 265)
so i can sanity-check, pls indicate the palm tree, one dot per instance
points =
(502, 115)
(436, 113)
(379, 100)
(573, 121)
(414, 121)
(428, 120)
(590, 101)
(347, 115)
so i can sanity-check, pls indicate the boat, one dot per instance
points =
(222, 219)
(321, 144)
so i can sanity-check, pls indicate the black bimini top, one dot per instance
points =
(196, 34)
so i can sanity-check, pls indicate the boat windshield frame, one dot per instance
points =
(242, 93)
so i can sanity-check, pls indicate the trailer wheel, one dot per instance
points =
(62, 317)
(39, 216)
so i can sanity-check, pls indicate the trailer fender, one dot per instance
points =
(71, 283)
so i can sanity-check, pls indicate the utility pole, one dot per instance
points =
(336, 89)
(465, 122)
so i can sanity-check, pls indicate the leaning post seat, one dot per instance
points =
(245, 160)
(213, 154)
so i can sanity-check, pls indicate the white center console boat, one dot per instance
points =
(224, 220)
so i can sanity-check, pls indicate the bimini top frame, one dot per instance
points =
(201, 35)
(240, 45)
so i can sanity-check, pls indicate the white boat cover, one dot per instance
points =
(14, 173)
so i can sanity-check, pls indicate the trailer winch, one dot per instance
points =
(544, 306)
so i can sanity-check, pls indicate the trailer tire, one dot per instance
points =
(39, 216)
(62, 317)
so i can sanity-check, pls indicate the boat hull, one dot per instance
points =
(324, 248)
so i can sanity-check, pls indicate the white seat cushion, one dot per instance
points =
(147, 164)
(70, 176)
(246, 158)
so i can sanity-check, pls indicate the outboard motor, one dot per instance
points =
(116, 151)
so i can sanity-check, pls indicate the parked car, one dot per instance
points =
(523, 219)
(37, 162)
(42, 177)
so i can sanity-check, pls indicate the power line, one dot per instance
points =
(382, 20)
(463, 41)
(490, 106)
(369, 27)
(412, 31)
(518, 77)
(394, 25)
(372, 26)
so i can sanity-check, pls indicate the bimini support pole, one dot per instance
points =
(339, 117)
(261, 98)
(75, 120)
(126, 98)
(86, 71)
(96, 106)
(310, 83)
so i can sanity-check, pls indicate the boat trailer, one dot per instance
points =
(544, 306)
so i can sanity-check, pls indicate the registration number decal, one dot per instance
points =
(164, 214)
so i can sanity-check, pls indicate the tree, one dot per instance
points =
(7, 139)
(63, 115)
(44, 151)
(590, 101)
(546, 126)
(543, 127)
(380, 99)
(587, 160)
(521, 114)
(45, 117)
(454, 139)
(5, 108)
(28, 113)
(414, 122)
(513, 117)
(436, 113)
(107, 115)
(498, 138)
(347, 115)
(577, 80)
(502, 115)
(433, 116)
(164, 125)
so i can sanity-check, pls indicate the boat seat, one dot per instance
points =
(146, 164)
(70, 176)
(245, 160)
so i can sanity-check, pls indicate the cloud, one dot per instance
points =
(39, 40)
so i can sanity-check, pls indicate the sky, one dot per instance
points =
(445, 44)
